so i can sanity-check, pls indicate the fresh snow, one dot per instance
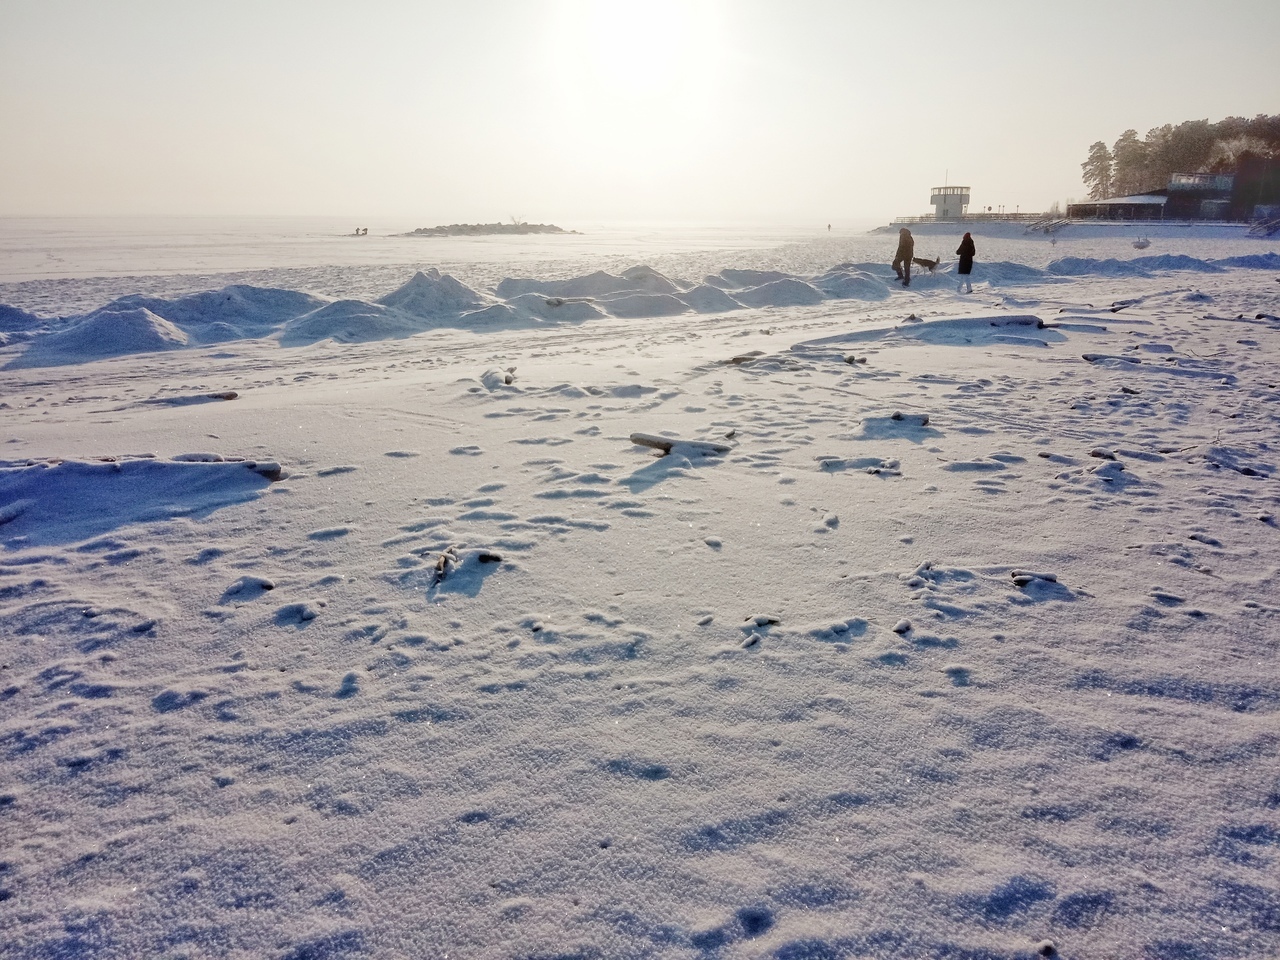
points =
(340, 615)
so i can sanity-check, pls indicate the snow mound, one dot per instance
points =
(432, 295)
(349, 321)
(645, 305)
(787, 292)
(648, 280)
(708, 299)
(1253, 261)
(554, 309)
(240, 305)
(1004, 271)
(13, 320)
(1087, 266)
(739, 279)
(598, 284)
(104, 333)
(494, 315)
(235, 312)
(873, 267)
(1173, 261)
(852, 285)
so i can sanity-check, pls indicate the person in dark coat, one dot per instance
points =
(966, 253)
(902, 259)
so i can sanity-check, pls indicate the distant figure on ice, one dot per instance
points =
(966, 252)
(902, 259)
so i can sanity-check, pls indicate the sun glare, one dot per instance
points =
(638, 84)
(651, 56)
(638, 52)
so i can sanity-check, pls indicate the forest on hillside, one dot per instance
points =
(1133, 166)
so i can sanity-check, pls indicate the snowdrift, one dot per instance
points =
(432, 296)
(109, 332)
(58, 502)
(431, 300)
(12, 319)
(350, 321)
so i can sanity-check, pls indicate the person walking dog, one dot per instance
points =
(902, 259)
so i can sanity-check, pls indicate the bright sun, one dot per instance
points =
(649, 56)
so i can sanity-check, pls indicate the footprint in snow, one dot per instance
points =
(1038, 587)
(329, 533)
(829, 522)
(842, 631)
(876, 466)
(247, 588)
(350, 687)
(171, 700)
(912, 426)
(298, 614)
(970, 466)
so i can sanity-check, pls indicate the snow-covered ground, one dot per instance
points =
(341, 617)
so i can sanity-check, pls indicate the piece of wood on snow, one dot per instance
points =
(666, 443)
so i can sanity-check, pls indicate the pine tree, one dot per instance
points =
(1129, 162)
(1097, 171)
(1159, 158)
(1190, 146)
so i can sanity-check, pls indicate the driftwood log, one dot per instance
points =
(666, 443)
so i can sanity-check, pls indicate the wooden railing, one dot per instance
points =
(971, 217)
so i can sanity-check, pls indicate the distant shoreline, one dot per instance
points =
(488, 229)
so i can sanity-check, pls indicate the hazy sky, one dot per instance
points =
(575, 110)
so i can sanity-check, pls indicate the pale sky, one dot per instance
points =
(567, 111)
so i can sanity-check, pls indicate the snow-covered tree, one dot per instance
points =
(1227, 154)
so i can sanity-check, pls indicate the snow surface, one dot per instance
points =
(341, 617)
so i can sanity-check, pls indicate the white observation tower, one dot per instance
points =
(950, 203)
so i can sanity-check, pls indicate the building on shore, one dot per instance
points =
(1251, 193)
(1145, 206)
(949, 203)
